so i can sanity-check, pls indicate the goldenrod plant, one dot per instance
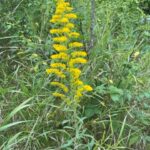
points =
(65, 63)
(48, 112)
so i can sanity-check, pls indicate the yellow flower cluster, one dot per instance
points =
(81, 90)
(64, 64)
(61, 55)
(58, 65)
(70, 25)
(62, 86)
(60, 31)
(77, 60)
(75, 73)
(56, 72)
(60, 39)
(59, 48)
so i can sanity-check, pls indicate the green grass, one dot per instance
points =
(114, 116)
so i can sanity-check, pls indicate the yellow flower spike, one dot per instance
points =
(75, 72)
(70, 25)
(74, 34)
(60, 39)
(71, 16)
(78, 60)
(62, 86)
(59, 48)
(75, 44)
(56, 94)
(56, 72)
(62, 56)
(78, 54)
(58, 65)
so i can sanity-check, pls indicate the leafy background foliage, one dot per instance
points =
(115, 116)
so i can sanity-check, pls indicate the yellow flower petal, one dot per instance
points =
(63, 56)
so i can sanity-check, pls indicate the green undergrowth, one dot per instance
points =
(115, 116)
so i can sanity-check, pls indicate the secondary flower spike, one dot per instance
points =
(69, 56)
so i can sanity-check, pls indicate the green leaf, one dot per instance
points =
(133, 140)
(101, 89)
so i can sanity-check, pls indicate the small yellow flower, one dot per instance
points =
(78, 54)
(58, 65)
(59, 48)
(71, 16)
(75, 44)
(63, 56)
(60, 39)
(62, 86)
(56, 71)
